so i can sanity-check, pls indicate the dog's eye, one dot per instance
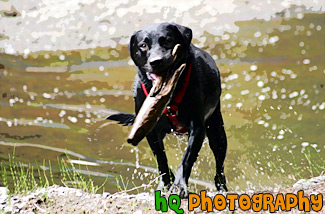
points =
(167, 42)
(143, 46)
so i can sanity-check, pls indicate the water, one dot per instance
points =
(55, 103)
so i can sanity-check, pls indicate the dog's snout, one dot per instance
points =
(156, 61)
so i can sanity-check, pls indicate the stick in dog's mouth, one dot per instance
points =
(174, 52)
(155, 103)
(162, 80)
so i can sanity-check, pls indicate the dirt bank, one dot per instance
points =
(56, 199)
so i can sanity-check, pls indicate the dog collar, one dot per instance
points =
(171, 110)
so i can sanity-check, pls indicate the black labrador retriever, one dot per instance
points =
(196, 97)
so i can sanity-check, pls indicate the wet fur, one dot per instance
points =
(199, 110)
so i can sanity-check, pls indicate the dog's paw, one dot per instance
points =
(220, 182)
(222, 188)
(179, 189)
(163, 188)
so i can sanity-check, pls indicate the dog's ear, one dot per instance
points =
(185, 32)
(132, 47)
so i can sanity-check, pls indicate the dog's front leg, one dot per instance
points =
(196, 137)
(155, 140)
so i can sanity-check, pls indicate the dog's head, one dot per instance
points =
(151, 48)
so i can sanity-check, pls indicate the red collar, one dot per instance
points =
(179, 97)
(171, 110)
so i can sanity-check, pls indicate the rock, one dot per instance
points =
(7, 210)
(78, 193)
(106, 194)
(8, 10)
(317, 180)
(305, 184)
(299, 184)
(3, 194)
(21, 205)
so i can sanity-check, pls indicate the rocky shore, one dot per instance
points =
(57, 199)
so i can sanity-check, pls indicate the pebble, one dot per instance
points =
(3, 194)
(21, 205)
(79, 193)
(106, 194)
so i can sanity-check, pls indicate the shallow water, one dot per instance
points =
(272, 102)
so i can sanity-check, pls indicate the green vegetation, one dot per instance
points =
(23, 176)
(28, 177)
(314, 167)
(71, 177)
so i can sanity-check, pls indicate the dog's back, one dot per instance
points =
(199, 108)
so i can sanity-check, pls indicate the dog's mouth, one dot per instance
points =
(153, 76)
(166, 79)
(162, 78)
(157, 100)
(157, 71)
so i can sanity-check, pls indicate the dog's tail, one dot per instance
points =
(123, 118)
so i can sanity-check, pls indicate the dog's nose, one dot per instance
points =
(155, 61)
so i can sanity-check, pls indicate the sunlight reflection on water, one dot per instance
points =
(272, 67)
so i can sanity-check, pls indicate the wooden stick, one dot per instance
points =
(153, 106)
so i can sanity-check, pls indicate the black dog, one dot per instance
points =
(198, 107)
